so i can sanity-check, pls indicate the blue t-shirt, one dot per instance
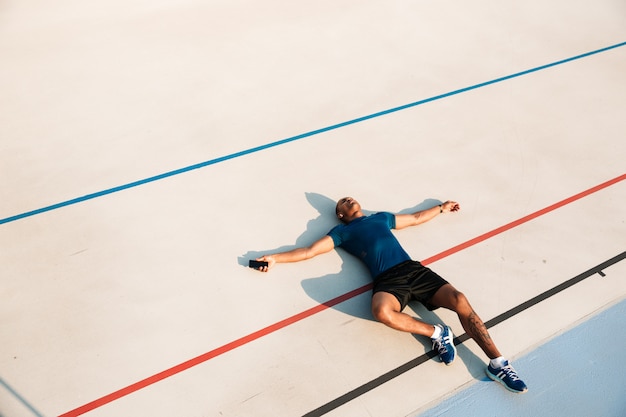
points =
(369, 238)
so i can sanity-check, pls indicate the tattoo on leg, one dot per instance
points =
(477, 329)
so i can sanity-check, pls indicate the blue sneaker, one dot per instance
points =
(507, 377)
(444, 345)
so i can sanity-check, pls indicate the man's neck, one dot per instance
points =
(355, 216)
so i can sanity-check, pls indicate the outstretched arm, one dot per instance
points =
(419, 217)
(323, 245)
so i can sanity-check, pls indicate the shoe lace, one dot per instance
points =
(440, 347)
(440, 344)
(510, 372)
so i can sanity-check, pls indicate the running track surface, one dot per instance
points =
(317, 309)
(112, 283)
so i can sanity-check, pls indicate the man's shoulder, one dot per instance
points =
(337, 229)
(383, 215)
(388, 218)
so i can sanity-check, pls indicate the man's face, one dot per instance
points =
(346, 207)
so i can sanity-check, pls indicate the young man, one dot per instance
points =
(398, 280)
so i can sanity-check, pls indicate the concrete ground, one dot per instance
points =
(149, 149)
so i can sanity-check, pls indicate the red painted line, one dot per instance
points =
(319, 308)
(212, 354)
(523, 220)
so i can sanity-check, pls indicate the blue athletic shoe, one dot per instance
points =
(445, 346)
(507, 377)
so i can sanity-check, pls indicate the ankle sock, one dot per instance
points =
(498, 362)
(437, 332)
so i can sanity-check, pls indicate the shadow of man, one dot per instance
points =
(353, 282)
(353, 274)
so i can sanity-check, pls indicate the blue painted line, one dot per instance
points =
(297, 137)
(20, 399)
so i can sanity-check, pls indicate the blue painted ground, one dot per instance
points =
(581, 373)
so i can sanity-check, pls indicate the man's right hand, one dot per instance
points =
(323, 245)
(270, 262)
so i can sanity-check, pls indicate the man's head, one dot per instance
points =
(348, 209)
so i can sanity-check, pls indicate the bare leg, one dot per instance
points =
(386, 309)
(452, 299)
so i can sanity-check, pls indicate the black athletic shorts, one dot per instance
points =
(408, 281)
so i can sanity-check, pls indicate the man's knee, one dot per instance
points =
(382, 313)
(451, 298)
(460, 302)
(384, 306)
